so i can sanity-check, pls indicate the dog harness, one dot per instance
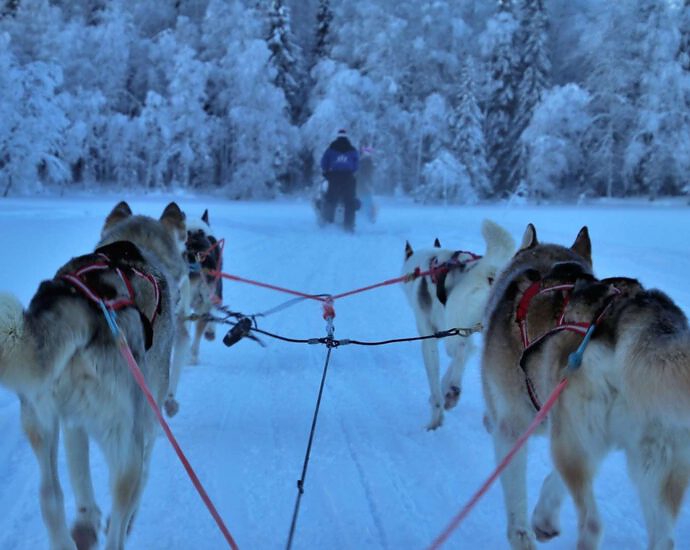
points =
(439, 270)
(536, 289)
(105, 262)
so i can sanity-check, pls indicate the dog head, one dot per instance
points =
(590, 297)
(202, 247)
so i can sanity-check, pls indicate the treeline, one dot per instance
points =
(461, 101)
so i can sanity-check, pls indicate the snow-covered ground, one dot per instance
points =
(377, 478)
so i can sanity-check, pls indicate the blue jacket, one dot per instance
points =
(340, 156)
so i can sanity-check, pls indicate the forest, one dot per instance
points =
(461, 101)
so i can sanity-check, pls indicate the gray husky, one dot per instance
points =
(121, 224)
(631, 392)
(508, 328)
(62, 360)
(452, 297)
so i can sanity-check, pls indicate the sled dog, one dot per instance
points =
(454, 296)
(523, 306)
(204, 255)
(631, 392)
(119, 225)
(62, 360)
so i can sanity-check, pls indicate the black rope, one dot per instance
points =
(300, 482)
(247, 323)
(330, 342)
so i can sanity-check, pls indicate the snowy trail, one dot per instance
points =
(376, 479)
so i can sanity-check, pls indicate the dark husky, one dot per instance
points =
(631, 392)
(508, 328)
(60, 357)
(204, 255)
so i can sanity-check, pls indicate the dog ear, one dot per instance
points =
(529, 238)
(625, 285)
(408, 250)
(437, 243)
(119, 213)
(204, 217)
(582, 245)
(173, 217)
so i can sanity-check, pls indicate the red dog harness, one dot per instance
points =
(79, 279)
(454, 261)
(536, 289)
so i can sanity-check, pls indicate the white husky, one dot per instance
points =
(453, 296)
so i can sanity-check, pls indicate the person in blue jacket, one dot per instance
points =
(339, 164)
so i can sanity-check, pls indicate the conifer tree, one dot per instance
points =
(533, 75)
(286, 58)
(467, 135)
(503, 66)
(324, 17)
(684, 27)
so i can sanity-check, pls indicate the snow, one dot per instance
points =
(376, 478)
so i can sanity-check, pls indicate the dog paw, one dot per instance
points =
(452, 397)
(436, 419)
(210, 335)
(84, 536)
(545, 533)
(194, 359)
(171, 406)
(521, 539)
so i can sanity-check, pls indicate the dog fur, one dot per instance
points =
(455, 299)
(509, 408)
(631, 392)
(204, 288)
(121, 224)
(61, 359)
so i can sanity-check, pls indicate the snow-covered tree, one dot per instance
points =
(33, 124)
(502, 63)
(684, 28)
(656, 158)
(324, 17)
(446, 180)
(466, 124)
(532, 80)
(286, 58)
(554, 140)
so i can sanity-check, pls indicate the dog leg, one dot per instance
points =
(125, 456)
(198, 331)
(661, 481)
(514, 483)
(546, 516)
(86, 526)
(431, 362)
(459, 349)
(43, 434)
(180, 355)
(210, 332)
(577, 462)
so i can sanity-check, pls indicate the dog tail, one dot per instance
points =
(500, 246)
(35, 345)
(13, 364)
